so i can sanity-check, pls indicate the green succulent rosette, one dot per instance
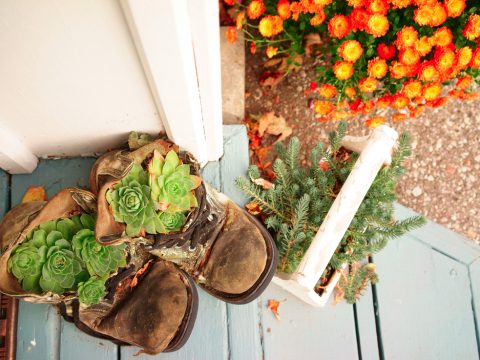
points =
(99, 260)
(62, 270)
(131, 203)
(171, 183)
(26, 264)
(91, 291)
(172, 222)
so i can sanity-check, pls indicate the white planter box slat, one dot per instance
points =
(375, 151)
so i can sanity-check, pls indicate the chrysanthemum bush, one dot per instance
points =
(400, 54)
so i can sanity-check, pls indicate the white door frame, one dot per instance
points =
(178, 42)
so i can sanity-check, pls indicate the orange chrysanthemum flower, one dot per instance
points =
(319, 3)
(398, 70)
(350, 92)
(375, 121)
(439, 15)
(378, 25)
(399, 101)
(384, 101)
(368, 106)
(398, 117)
(378, 6)
(367, 85)
(412, 89)
(356, 3)
(283, 9)
(409, 56)
(296, 9)
(271, 51)
(444, 59)
(475, 63)
(455, 7)
(229, 2)
(340, 115)
(253, 48)
(432, 91)
(240, 20)
(318, 19)
(327, 91)
(472, 29)
(377, 68)
(343, 70)
(423, 15)
(423, 45)
(427, 72)
(350, 50)
(359, 19)
(438, 102)
(400, 4)
(270, 25)
(231, 34)
(464, 56)
(425, 2)
(443, 37)
(323, 107)
(406, 37)
(464, 83)
(339, 26)
(255, 9)
(415, 111)
(386, 52)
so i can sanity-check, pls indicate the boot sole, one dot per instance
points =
(263, 281)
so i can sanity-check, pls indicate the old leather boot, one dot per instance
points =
(223, 248)
(18, 223)
(155, 311)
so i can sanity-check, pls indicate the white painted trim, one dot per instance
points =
(375, 152)
(206, 47)
(15, 157)
(162, 33)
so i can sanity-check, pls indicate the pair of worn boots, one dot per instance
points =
(150, 301)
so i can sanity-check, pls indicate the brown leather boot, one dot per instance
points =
(223, 248)
(146, 302)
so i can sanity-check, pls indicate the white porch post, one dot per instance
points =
(179, 46)
(15, 156)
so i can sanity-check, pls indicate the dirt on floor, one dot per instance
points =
(442, 180)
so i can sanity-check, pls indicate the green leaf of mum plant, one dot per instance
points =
(91, 291)
(99, 260)
(171, 183)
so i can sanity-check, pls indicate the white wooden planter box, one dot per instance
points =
(375, 151)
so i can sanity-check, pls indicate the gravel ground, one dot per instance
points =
(442, 180)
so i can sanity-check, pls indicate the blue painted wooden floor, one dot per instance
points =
(427, 302)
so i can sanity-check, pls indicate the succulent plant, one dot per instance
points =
(172, 222)
(99, 260)
(59, 255)
(91, 291)
(62, 270)
(171, 183)
(26, 264)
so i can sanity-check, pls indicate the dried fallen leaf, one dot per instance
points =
(263, 183)
(274, 125)
(270, 78)
(273, 307)
(34, 193)
(310, 42)
(253, 208)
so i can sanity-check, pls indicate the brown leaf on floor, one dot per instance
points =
(274, 125)
(273, 307)
(311, 42)
(253, 208)
(270, 78)
(265, 184)
(34, 193)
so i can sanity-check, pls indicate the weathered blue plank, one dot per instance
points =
(209, 339)
(4, 193)
(475, 284)
(441, 239)
(39, 326)
(424, 302)
(243, 320)
(307, 332)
